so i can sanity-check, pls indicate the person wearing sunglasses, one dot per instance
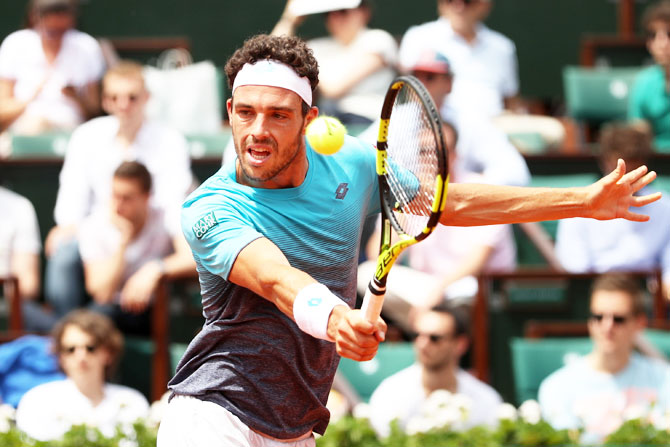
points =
(88, 347)
(649, 98)
(596, 391)
(441, 339)
(94, 151)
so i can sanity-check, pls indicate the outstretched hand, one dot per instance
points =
(613, 195)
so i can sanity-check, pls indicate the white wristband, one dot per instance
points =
(312, 307)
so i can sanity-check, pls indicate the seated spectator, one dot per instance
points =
(356, 64)
(599, 246)
(88, 347)
(94, 151)
(49, 72)
(127, 248)
(649, 96)
(594, 392)
(443, 268)
(440, 342)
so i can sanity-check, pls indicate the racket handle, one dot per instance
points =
(373, 302)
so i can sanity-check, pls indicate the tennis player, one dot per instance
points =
(275, 236)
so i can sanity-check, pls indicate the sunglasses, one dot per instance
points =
(90, 349)
(434, 338)
(616, 319)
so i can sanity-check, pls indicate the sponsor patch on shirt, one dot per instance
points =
(206, 223)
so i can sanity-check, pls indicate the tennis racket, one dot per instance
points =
(413, 178)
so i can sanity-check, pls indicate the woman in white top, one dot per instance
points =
(88, 347)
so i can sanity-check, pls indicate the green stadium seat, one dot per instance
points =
(46, 145)
(364, 377)
(208, 145)
(598, 94)
(535, 359)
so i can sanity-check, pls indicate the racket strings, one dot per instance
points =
(412, 163)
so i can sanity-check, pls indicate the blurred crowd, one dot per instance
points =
(125, 175)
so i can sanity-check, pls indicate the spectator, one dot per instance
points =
(88, 347)
(94, 151)
(356, 64)
(127, 249)
(20, 255)
(484, 64)
(598, 246)
(445, 268)
(596, 391)
(649, 96)
(49, 72)
(483, 61)
(441, 341)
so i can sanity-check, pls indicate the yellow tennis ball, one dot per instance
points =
(326, 134)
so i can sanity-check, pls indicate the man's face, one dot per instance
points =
(658, 42)
(436, 345)
(81, 357)
(470, 11)
(53, 25)
(128, 199)
(268, 128)
(437, 84)
(125, 98)
(613, 325)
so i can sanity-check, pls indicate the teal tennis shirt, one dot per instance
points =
(249, 357)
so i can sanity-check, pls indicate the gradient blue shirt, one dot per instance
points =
(249, 357)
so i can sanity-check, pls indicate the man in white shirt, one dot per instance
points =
(485, 68)
(483, 61)
(94, 151)
(441, 341)
(596, 392)
(598, 246)
(49, 72)
(127, 248)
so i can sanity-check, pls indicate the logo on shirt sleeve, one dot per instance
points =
(206, 223)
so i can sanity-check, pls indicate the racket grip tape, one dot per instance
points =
(373, 302)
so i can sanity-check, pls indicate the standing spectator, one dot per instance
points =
(94, 151)
(127, 248)
(356, 64)
(49, 72)
(649, 99)
(441, 340)
(595, 391)
(88, 347)
(596, 246)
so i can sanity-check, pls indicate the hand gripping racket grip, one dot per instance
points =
(373, 301)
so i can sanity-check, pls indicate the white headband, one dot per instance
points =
(274, 74)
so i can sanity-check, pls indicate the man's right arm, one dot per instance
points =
(262, 268)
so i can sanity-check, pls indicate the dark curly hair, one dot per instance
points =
(290, 50)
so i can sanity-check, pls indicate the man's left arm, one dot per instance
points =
(139, 288)
(609, 198)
